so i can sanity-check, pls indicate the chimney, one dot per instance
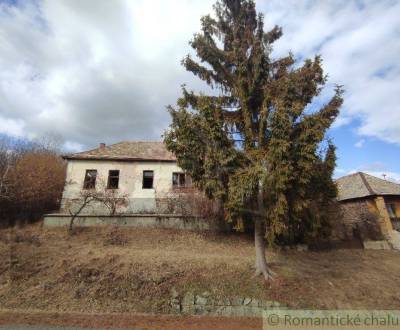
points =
(102, 145)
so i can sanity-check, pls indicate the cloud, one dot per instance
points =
(10, 127)
(341, 121)
(93, 71)
(359, 143)
(103, 71)
(359, 42)
(373, 167)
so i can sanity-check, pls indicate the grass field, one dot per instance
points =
(114, 270)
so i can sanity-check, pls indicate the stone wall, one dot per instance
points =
(357, 220)
(204, 304)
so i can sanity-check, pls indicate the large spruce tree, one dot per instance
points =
(255, 143)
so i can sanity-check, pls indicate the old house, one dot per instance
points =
(142, 177)
(370, 210)
(140, 184)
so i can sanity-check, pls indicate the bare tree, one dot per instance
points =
(49, 142)
(7, 159)
(110, 198)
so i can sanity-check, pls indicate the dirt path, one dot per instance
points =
(42, 320)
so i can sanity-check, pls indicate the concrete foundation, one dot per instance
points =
(167, 221)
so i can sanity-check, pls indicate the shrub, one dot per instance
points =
(31, 182)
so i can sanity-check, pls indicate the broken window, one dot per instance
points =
(90, 179)
(148, 178)
(113, 179)
(178, 180)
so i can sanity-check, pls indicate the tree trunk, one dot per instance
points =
(259, 239)
(261, 261)
(74, 215)
(71, 221)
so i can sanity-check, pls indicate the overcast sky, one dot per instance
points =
(93, 71)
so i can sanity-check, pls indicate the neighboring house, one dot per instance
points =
(146, 174)
(370, 209)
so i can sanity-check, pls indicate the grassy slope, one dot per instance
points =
(121, 270)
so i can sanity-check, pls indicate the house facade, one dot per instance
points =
(141, 172)
(370, 211)
(144, 175)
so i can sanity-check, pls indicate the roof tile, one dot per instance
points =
(127, 150)
(360, 184)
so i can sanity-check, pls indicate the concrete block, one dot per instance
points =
(201, 300)
(188, 299)
(376, 245)
(237, 301)
(247, 301)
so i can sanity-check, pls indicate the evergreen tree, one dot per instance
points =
(255, 147)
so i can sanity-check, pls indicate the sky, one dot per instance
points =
(90, 71)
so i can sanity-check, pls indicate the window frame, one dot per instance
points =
(179, 176)
(111, 177)
(86, 180)
(144, 177)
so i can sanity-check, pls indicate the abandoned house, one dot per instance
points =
(140, 184)
(370, 211)
(142, 178)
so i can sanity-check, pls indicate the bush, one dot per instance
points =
(31, 182)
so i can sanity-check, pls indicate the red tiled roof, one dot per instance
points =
(127, 150)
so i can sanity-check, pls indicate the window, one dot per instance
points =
(148, 178)
(90, 179)
(178, 180)
(113, 179)
(391, 210)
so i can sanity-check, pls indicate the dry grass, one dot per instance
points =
(133, 270)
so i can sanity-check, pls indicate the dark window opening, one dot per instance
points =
(148, 178)
(178, 180)
(113, 179)
(90, 179)
(391, 210)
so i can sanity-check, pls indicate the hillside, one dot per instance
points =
(114, 270)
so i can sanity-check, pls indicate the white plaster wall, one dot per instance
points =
(130, 180)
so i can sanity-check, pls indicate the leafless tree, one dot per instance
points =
(7, 159)
(110, 198)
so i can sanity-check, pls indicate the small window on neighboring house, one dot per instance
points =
(391, 210)
(148, 178)
(179, 180)
(90, 179)
(113, 179)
